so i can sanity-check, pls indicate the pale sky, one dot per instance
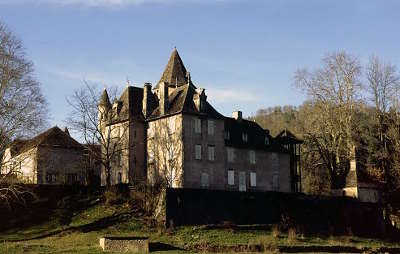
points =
(243, 52)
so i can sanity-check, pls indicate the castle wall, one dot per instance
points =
(194, 168)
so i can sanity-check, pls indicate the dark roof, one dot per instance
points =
(287, 137)
(181, 101)
(175, 72)
(131, 99)
(53, 137)
(104, 99)
(255, 135)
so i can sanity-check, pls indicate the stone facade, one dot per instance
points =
(52, 157)
(184, 141)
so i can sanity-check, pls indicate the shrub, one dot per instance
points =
(275, 231)
(64, 210)
(117, 194)
(292, 235)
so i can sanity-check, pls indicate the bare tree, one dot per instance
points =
(165, 152)
(99, 124)
(334, 91)
(384, 85)
(23, 109)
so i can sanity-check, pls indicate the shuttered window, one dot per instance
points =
(231, 177)
(197, 125)
(204, 180)
(210, 127)
(211, 153)
(253, 179)
(252, 157)
(231, 154)
(197, 150)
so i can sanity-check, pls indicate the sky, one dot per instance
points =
(244, 53)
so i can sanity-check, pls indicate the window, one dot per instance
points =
(227, 135)
(197, 125)
(231, 154)
(242, 181)
(72, 178)
(244, 137)
(51, 178)
(266, 140)
(204, 180)
(252, 156)
(210, 127)
(231, 177)
(197, 150)
(211, 153)
(253, 179)
(275, 181)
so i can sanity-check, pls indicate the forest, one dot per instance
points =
(351, 111)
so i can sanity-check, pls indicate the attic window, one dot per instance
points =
(227, 135)
(244, 137)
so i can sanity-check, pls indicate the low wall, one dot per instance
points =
(125, 244)
(319, 214)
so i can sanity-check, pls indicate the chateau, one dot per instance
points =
(170, 133)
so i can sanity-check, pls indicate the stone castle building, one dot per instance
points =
(170, 133)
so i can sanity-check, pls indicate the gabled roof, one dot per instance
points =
(180, 100)
(175, 72)
(287, 137)
(53, 137)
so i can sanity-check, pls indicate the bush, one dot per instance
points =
(275, 231)
(117, 194)
(65, 210)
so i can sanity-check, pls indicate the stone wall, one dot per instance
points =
(125, 244)
(193, 168)
(61, 162)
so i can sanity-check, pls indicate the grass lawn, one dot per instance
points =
(87, 226)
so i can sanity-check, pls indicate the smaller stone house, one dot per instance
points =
(52, 157)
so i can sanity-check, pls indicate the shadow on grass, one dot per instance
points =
(93, 226)
(157, 246)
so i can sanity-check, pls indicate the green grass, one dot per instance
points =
(77, 238)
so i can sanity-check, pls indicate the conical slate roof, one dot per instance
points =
(104, 99)
(175, 72)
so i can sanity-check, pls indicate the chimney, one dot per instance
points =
(66, 131)
(147, 99)
(163, 92)
(237, 115)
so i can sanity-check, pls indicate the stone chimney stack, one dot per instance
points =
(66, 131)
(163, 92)
(237, 115)
(147, 99)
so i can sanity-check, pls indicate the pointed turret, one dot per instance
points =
(105, 100)
(175, 72)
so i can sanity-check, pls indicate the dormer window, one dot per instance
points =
(227, 135)
(244, 137)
